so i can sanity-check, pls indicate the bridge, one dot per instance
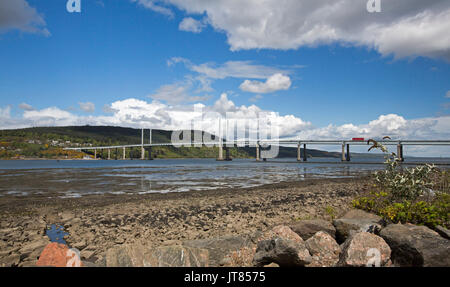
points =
(258, 144)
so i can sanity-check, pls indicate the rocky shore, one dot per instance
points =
(308, 221)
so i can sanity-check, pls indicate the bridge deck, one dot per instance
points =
(253, 143)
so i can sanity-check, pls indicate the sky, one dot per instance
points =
(321, 69)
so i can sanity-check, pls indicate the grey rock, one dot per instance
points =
(219, 247)
(282, 252)
(307, 228)
(416, 245)
(345, 227)
(444, 232)
(166, 256)
(363, 249)
(323, 249)
(361, 214)
(12, 260)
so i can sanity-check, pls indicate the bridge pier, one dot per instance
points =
(109, 154)
(305, 155)
(95, 153)
(142, 153)
(124, 155)
(347, 156)
(150, 153)
(343, 152)
(220, 157)
(227, 154)
(400, 152)
(257, 152)
(299, 158)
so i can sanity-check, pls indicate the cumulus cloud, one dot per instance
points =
(143, 114)
(274, 83)
(87, 107)
(19, 15)
(189, 24)
(404, 28)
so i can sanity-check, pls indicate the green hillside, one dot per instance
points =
(49, 142)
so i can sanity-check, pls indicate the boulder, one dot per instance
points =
(323, 249)
(444, 232)
(244, 256)
(12, 260)
(345, 227)
(281, 231)
(282, 252)
(307, 228)
(219, 248)
(33, 249)
(166, 256)
(58, 255)
(361, 214)
(178, 256)
(416, 245)
(364, 249)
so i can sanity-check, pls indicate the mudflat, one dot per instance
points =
(96, 223)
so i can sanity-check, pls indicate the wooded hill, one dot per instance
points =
(49, 142)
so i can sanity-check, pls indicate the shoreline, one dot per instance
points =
(96, 223)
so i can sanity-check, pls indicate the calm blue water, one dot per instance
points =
(75, 178)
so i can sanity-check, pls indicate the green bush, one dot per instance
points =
(418, 195)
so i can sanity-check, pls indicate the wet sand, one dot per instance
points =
(96, 223)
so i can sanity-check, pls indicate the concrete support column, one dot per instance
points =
(109, 154)
(347, 157)
(299, 157)
(257, 152)
(305, 155)
(95, 153)
(220, 157)
(142, 152)
(227, 153)
(400, 152)
(343, 152)
(124, 154)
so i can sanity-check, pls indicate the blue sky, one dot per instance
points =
(71, 67)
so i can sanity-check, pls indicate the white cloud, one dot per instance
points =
(235, 69)
(180, 92)
(447, 95)
(189, 24)
(274, 83)
(19, 15)
(138, 113)
(151, 4)
(404, 28)
(26, 107)
(87, 107)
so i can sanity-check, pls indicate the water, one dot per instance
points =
(76, 178)
(56, 233)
